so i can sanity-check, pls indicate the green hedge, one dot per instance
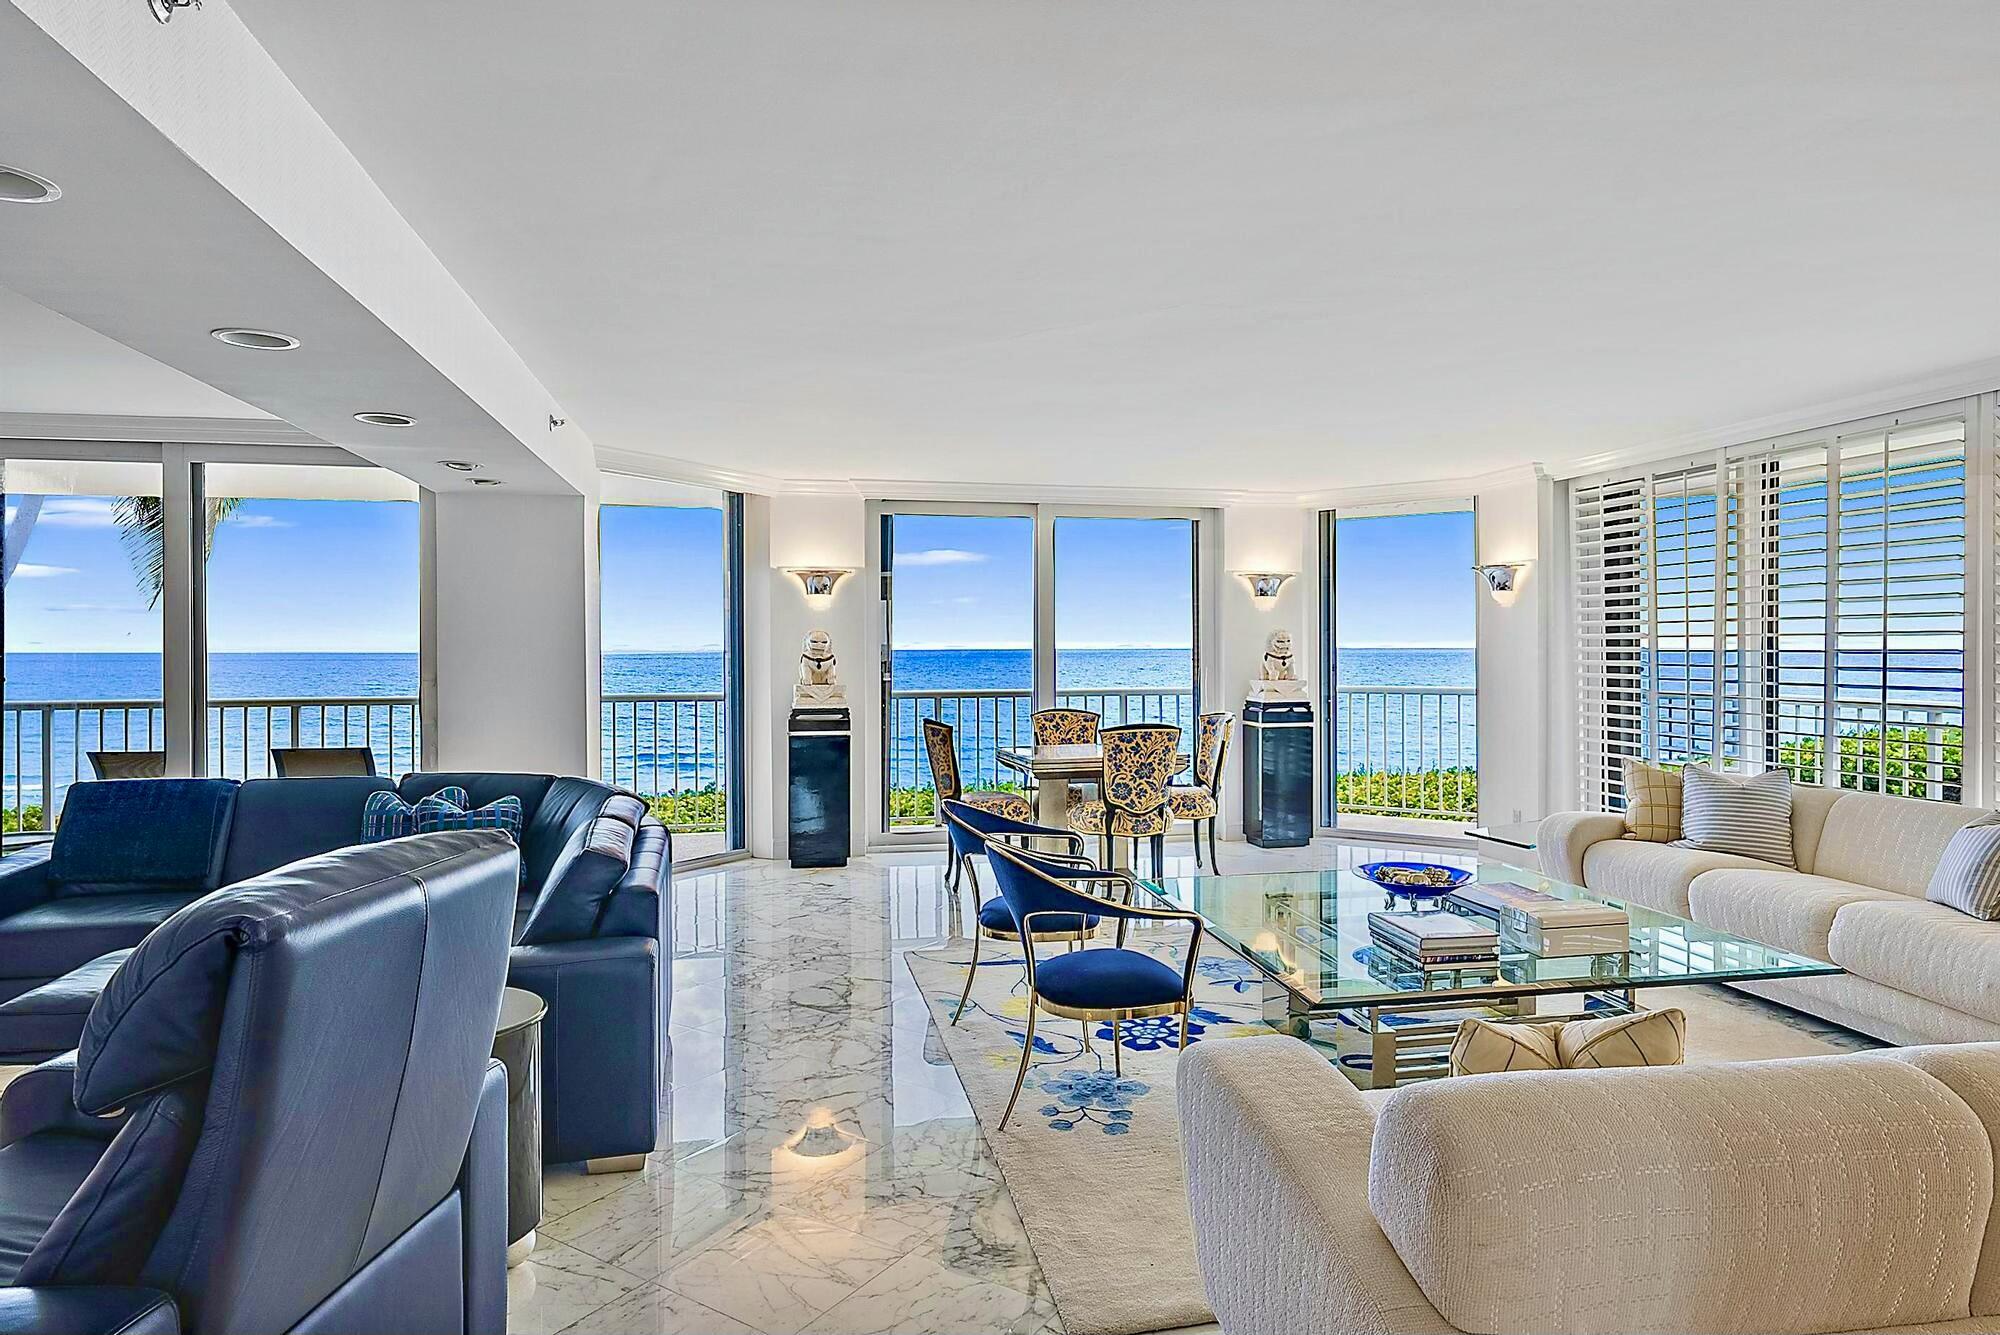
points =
(918, 806)
(1433, 794)
(1896, 761)
(692, 810)
(27, 818)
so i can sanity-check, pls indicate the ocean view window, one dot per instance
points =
(1125, 619)
(1777, 604)
(311, 623)
(80, 605)
(1401, 716)
(671, 657)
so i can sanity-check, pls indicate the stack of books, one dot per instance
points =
(1546, 925)
(1434, 940)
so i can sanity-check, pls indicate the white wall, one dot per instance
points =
(1260, 537)
(511, 679)
(804, 530)
(1514, 667)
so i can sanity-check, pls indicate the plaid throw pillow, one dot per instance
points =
(445, 810)
(388, 816)
(1652, 802)
(1968, 875)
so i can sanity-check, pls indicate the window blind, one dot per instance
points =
(1797, 603)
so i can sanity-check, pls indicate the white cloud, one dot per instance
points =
(29, 570)
(940, 556)
(241, 520)
(76, 512)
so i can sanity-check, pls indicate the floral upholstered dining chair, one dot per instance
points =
(941, 746)
(1201, 800)
(1063, 726)
(1139, 759)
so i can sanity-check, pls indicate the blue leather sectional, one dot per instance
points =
(283, 1114)
(592, 920)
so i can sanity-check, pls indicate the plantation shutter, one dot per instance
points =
(1608, 536)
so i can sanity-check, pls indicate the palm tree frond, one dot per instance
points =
(142, 531)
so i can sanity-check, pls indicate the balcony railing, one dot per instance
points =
(1407, 751)
(46, 741)
(988, 722)
(672, 750)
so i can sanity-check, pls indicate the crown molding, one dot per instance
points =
(663, 468)
(155, 430)
(1959, 383)
(1431, 489)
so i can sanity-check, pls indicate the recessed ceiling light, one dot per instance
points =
(24, 187)
(262, 340)
(385, 419)
(486, 482)
(457, 465)
(163, 10)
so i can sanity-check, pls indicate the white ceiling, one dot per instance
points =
(51, 366)
(1202, 244)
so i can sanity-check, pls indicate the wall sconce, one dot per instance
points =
(1264, 584)
(1501, 578)
(819, 581)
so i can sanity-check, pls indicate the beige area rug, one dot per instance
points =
(1094, 1161)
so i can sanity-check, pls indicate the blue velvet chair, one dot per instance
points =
(1108, 985)
(971, 829)
(284, 1114)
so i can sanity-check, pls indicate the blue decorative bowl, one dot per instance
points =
(1384, 874)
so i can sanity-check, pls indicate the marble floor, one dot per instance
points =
(821, 1169)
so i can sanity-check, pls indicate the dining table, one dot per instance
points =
(1053, 768)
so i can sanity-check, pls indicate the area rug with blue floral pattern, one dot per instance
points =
(1092, 1157)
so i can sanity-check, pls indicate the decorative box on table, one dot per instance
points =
(1277, 770)
(822, 741)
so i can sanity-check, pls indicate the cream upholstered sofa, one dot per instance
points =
(1917, 972)
(1816, 1194)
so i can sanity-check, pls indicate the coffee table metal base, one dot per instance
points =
(1403, 1042)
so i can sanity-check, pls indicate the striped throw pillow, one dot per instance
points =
(1751, 817)
(1968, 875)
(445, 809)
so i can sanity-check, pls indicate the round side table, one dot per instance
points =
(517, 1042)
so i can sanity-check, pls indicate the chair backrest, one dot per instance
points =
(1031, 884)
(1139, 758)
(1644, 1185)
(1065, 727)
(345, 1006)
(129, 764)
(941, 745)
(1211, 748)
(323, 762)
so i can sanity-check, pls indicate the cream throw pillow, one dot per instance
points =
(1652, 802)
(1649, 1038)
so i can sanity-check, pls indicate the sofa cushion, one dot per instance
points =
(49, 1019)
(1925, 949)
(547, 806)
(1778, 1196)
(1971, 1071)
(1892, 843)
(50, 939)
(120, 837)
(1655, 876)
(105, 1232)
(1968, 874)
(1787, 909)
(282, 820)
(572, 899)
(38, 1175)
(1749, 816)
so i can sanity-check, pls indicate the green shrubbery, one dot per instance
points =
(1432, 794)
(1897, 761)
(15, 822)
(918, 806)
(692, 810)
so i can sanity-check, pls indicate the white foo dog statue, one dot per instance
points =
(1276, 678)
(819, 680)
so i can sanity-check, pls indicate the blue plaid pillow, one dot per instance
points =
(388, 816)
(445, 810)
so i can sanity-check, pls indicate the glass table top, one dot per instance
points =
(1308, 931)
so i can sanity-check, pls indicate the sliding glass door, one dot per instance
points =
(992, 611)
(670, 564)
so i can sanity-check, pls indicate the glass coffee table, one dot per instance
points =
(1384, 1019)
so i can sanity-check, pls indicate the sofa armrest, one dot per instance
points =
(1562, 840)
(87, 1309)
(482, 1185)
(601, 1043)
(24, 878)
(641, 905)
(1277, 1143)
(43, 1098)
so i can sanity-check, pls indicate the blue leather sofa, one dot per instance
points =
(283, 1114)
(592, 920)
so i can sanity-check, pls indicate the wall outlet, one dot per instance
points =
(1517, 815)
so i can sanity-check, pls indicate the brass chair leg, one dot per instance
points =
(1184, 1025)
(1021, 1076)
(1086, 1036)
(970, 970)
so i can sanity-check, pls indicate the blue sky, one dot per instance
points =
(1405, 581)
(662, 576)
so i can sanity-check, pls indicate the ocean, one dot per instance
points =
(652, 747)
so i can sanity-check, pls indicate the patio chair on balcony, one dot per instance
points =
(1201, 800)
(941, 745)
(323, 762)
(1139, 758)
(129, 764)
